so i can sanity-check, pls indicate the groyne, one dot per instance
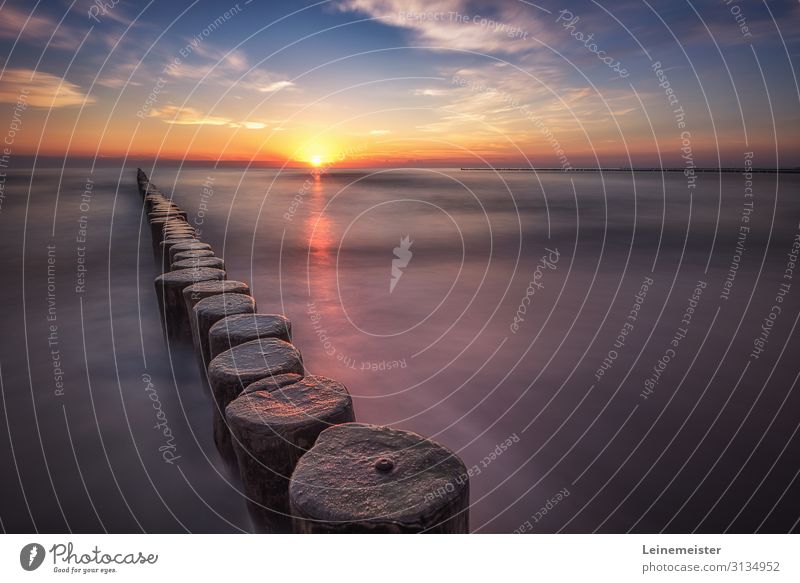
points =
(306, 465)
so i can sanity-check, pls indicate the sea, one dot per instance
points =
(606, 351)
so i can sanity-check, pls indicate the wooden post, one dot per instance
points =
(176, 236)
(157, 226)
(167, 212)
(171, 247)
(231, 371)
(186, 246)
(195, 262)
(272, 382)
(169, 288)
(271, 429)
(211, 310)
(366, 478)
(164, 256)
(169, 231)
(174, 226)
(235, 330)
(193, 254)
(172, 238)
(161, 226)
(204, 289)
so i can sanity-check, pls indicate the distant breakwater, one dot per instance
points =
(306, 465)
(653, 169)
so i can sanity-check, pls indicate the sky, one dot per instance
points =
(404, 83)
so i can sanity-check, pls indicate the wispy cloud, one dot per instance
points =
(189, 116)
(455, 24)
(429, 92)
(43, 89)
(186, 116)
(227, 70)
(35, 28)
(276, 86)
(379, 132)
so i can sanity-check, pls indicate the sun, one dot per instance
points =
(316, 160)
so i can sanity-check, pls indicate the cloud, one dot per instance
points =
(43, 89)
(35, 28)
(429, 92)
(379, 132)
(189, 116)
(276, 86)
(454, 24)
(227, 70)
(186, 116)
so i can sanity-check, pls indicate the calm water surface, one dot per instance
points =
(605, 267)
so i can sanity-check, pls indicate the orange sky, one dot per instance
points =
(366, 84)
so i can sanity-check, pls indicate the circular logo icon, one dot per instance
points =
(31, 556)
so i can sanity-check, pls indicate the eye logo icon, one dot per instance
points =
(31, 556)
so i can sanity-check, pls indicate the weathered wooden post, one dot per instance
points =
(211, 310)
(271, 429)
(157, 226)
(231, 371)
(170, 231)
(176, 228)
(173, 238)
(204, 289)
(170, 247)
(235, 330)
(195, 262)
(272, 382)
(153, 198)
(178, 235)
(366, 478)
(169, 288)
(184, 246)
(167, 244)
(167, 212)
(192, 254)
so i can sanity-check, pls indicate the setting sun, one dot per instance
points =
(316, 160)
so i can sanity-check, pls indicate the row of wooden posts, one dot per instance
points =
(305, 464)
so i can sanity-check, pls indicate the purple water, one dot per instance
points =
(712, 447)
